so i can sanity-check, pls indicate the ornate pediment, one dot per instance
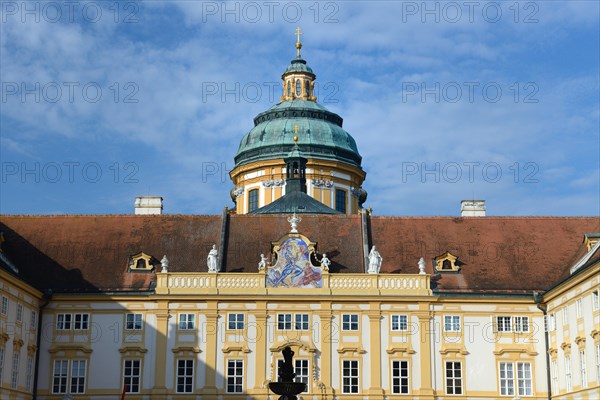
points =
(293, 266)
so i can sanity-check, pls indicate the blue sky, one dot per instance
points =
(105, 101)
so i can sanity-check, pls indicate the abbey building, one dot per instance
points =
(155, 306)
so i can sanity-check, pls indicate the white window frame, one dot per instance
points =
(236, 321)
(579, 308)
(451, 323)
(234, 380)
(351, 381)
(399, 323)
(134, 321)
(14, 378)
(301, 322)
(302, 372)
(130, 376)
(64, 322)
(521, 323)
(595, 300)
(188, 379)
(186, 322)
(29, 373)
(81, 321)
(2, 352)
(566, 315)
(504, 323)
(77, 381)
(598, 362)
(284, 322)
(348, 323)
(568, 375)
(583, 368)
(33, 319)
(554, 377)
(62, 375)
(524, 379)
(506, 378)
(5, 306)
(400, 377)
(19, 312)
(457, 382)
(552, 322)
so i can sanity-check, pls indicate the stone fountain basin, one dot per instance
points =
(287, 388)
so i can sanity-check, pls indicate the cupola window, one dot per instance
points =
(252, 200)
(289, 89)
(298, 87)
(307, 89)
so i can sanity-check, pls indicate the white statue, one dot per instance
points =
(293, 220)
(263, 262)
(375, 260)
(422, 266)
(213, 259)
(325, 262)
(164, 263)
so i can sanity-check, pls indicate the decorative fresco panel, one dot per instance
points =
(293, 267)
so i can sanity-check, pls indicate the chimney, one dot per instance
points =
(146, 205)
(472, 208)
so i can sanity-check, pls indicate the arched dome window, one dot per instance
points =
(289, 88)
(298, 87)
(307, 88)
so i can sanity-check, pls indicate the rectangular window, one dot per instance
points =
(597, 362)
(552, 326)
(187, 322)
(399, 323)
(81, 322)
(19, 312)
(131, 376)
(579, 308)
(63, 322)
(235, 322)
(302, 372)
(235, 376)
(340, 200)
(582, 369)
(301, 322)
(400, 377)
(1, 363)
(4, 309)
(521, 324)
(15, 371)
(252, 200)
(524, 385)
(350, 322)
(349, 376)
(33, 320)
(507, 377)
(185, 376)
(284, 322)
(595, 300)
(29, 373)
(503, 324)
(78, 376)
(453, 377)
(133, 322)
(565, 315)
(452, 323)
(568, 373)
(59, 376)
(554, 377)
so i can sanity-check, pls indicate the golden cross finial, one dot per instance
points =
(298, 44)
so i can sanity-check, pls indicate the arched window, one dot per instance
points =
(298, 87)
(289, 89)
(340, 200)
(252, 200)
(307, 89)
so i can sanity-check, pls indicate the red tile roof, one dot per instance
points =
(496, 254)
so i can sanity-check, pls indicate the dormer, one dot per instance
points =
(590, 239)
(447, 262)
(141, 262)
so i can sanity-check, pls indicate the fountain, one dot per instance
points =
(285, 386)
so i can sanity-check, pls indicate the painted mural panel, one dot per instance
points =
(293, 267)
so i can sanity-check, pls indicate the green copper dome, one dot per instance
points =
(298, 65)
(320, 134)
